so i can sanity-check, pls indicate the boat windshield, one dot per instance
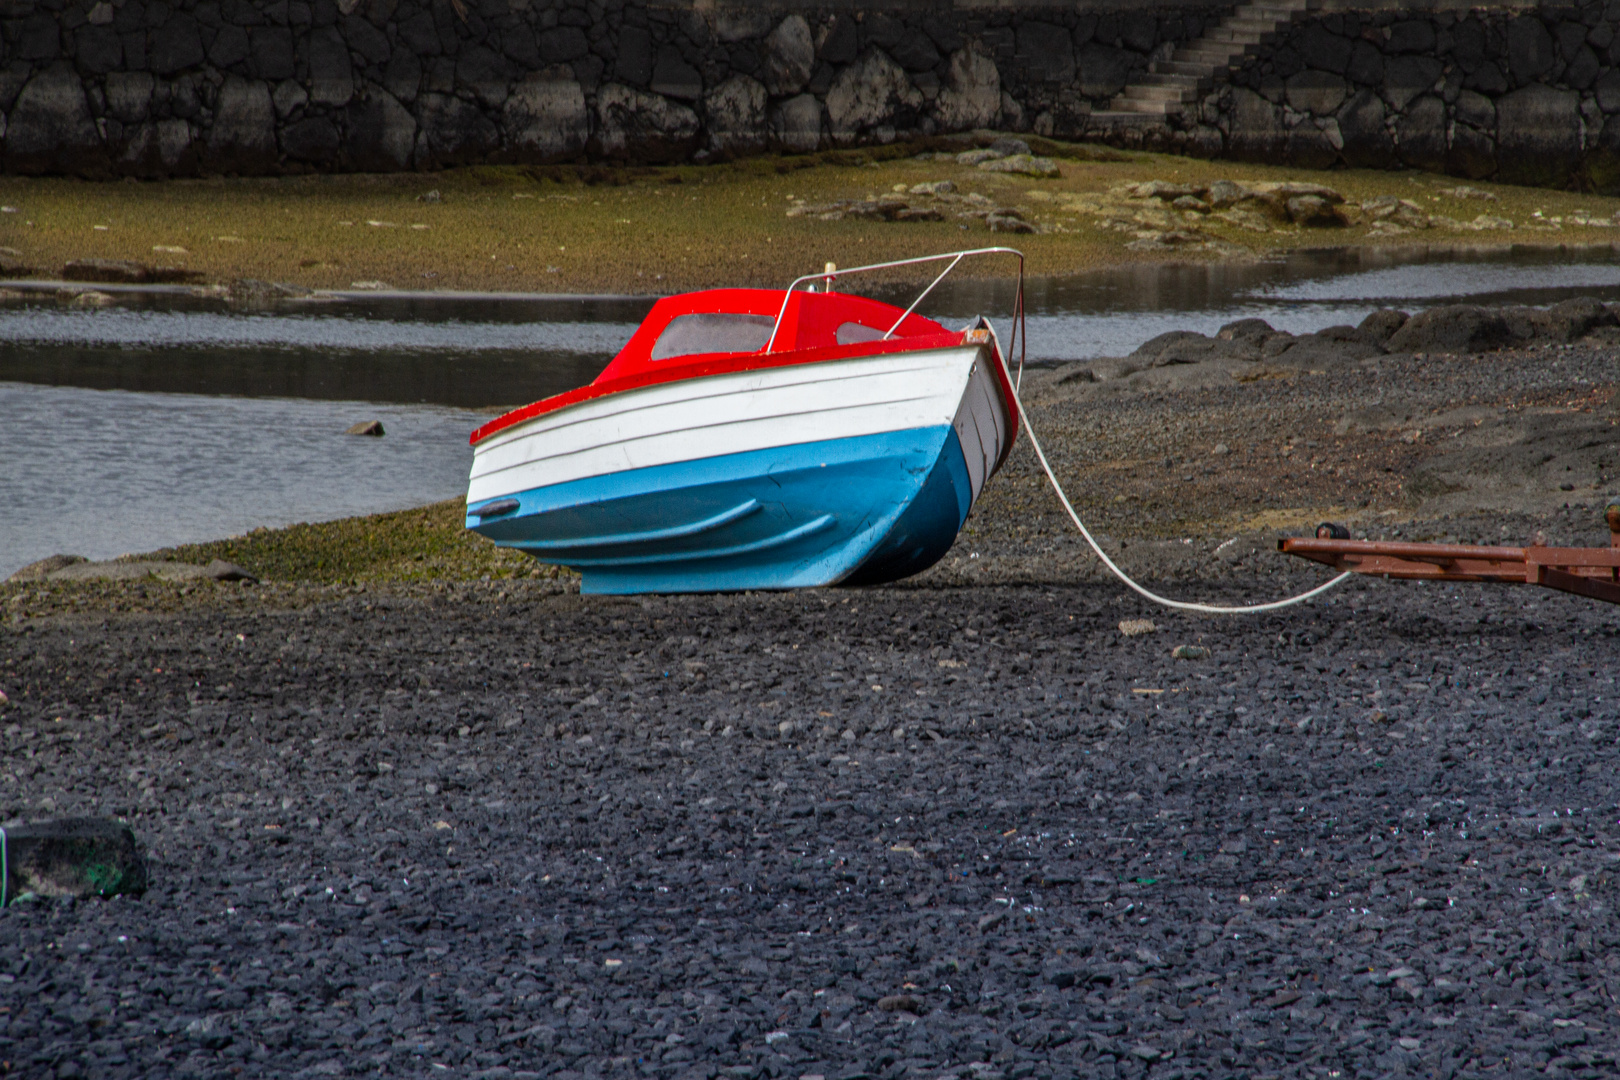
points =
(713, 332)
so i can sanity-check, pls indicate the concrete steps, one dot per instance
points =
(1169, 85)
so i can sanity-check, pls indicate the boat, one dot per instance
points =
(758, 439)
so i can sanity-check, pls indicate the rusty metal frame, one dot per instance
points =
(1591, 572)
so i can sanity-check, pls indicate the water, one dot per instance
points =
(168, 420)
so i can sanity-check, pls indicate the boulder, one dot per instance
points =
(50, 129)
(1367, 142)
(1405, 77)
(971, 96)
(1472, 153)
(373, 428)
(451, 131)
(243, 137)
(546, 119)
(1377, 327)
(790, 54)
(673, 77)
(797, 126)
(868, 93)
(734, 113)
(1310, 147)
(72, 857)
(1104, 70)
(313, 139)
(635, 57)
(1531, 50)
(485, 73)
(380, 133)
(175, 45)
(1317, 92)
(632, 125)
(1454, 328)
(1421, 134)
(1257, 132)
(1314, 212)
(1538, 136)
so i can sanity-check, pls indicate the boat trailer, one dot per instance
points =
(1593, 572)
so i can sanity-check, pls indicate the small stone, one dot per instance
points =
(933, 187)
(431, 197)
(1009, 223)
(1189, 652)
(992, 920)
(1136, 627)
(367, 427)
(220, 570)
(900, 1003)
(1191, 203)
(84, 298)
(1024, 164)
(978, 157)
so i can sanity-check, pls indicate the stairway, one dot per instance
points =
(1195, 67)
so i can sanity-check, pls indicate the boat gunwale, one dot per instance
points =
(713, 364)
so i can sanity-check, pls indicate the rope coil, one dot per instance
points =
(1179, 605)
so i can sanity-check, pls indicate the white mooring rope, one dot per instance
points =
(1180, 605)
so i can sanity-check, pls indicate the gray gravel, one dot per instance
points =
(908, 832)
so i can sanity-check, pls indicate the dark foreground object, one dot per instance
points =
(72, 857)
(519, 834)
(1589, 572)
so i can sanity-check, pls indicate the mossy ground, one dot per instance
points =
(646, 230)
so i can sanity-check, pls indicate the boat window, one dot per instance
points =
(853, 333)
(717, 332)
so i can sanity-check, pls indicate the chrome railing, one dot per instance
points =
(832, 273)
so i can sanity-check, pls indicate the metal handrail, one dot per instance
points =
(1016, 341)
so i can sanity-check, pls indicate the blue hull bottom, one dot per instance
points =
(856, 511)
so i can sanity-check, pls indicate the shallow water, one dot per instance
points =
(167, 420)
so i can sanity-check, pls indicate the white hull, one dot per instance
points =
(753, 410)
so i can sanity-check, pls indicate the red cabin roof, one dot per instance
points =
(815, 327)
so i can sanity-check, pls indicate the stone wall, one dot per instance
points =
(1524, 97)
(151, 88)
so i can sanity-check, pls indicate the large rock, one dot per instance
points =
(634, 62)
(175, 46)
(1405, 77)
(331, 77)
(1472, 153)
(313, 139)
(1104, 70)
(72, 857)
(790, 54)
(1531, 50)
(1421, 134)
(734, 113)
(971, 96)
(243, 138)
(1045, 53)
(154, 150)
(380, 133)
(1257, 132)
(486, 73)
(632, 125)
(546, 120)
(1367, 142)
(797, 125)
(451, 131)
(673, 77)
(870, 92)
(1317, 92)
(50, 129)
(1538, 136)
(1309, 147)
(1455, 328)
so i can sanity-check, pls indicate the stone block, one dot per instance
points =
(129, 96)
(73, 857)
(243, 136)
(797, 124)
(1317, 92)
(1607, 91)
(380, 133)
(1322, 49)
(175, 46)
(1538, 136)
(1472, 153)
(1309, 147)
(485, 73)
(546, 120)
(635, 58)
(1104, 69)
(1420, 134)
(1475, 109)
(1531, 51)
(916, 52)
(1405, 77)
(99, 49)
(1366, 66)
(313, 139)
(1411, 36)
(840, 42)
(35, 38)
(451, 131)
(739, 24)
(734, 114)
(50, 129)
(790, 54)
(1583, 69)
(674, 77)
(402, 78)
(1257, 132)
(971, 96)
(367, 40)
(1045, 53)
(868, 94)
(272, 52)
(331, 75)
(562, 45)
(637, 126)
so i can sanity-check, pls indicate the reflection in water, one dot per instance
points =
(100, 473)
